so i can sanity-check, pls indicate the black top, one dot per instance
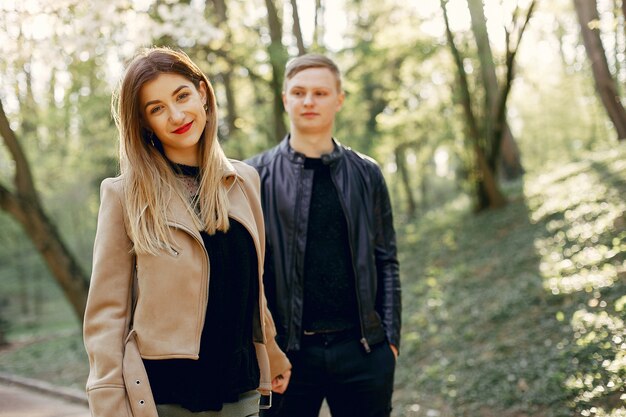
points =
(329, 285)
(227, 364)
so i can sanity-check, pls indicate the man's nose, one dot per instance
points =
(308, 99)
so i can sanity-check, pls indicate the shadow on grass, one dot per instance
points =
(519, 312)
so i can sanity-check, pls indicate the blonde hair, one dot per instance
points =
(307, 61)
(149, 180)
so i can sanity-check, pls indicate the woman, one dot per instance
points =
(176, 322)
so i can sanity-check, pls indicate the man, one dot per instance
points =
(331, 272)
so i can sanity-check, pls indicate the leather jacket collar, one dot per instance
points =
(298, 158)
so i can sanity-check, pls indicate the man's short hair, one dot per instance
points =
(307, 61)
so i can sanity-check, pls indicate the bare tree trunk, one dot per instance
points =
(221, 20)
(487, 191)
(509, 159)
(318, 24)
(278, 59)
(605, 84)
(400, 155)
(297, 30)
(24, 205)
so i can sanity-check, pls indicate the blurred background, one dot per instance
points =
(498, 124)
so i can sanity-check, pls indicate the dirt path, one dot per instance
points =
(16, 401)
(29, 398)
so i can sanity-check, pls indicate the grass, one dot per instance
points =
(520, 311)
(510, 313)
(44, 334)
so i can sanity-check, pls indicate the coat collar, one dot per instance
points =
(297, 157)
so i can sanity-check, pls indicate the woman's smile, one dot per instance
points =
(183, 129)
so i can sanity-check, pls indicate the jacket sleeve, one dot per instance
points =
(277, 358)
(389, 300)
(107, 312)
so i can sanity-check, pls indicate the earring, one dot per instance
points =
(152, 138)
(206, 107)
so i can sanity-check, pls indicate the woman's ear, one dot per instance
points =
(202, 89)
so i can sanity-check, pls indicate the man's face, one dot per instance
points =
(311, 99)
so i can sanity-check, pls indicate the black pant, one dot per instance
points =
(336, 367)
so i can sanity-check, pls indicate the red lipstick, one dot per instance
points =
(183, 129)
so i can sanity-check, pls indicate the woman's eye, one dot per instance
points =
(155, 109)
(183, 96)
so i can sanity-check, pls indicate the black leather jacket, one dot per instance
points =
(286, 194)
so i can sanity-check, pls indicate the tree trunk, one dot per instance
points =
(400, 154)
(297, 30)
(509, 159)
(487, 191)
(278, 59)
(605, 84)
(318, 24)
(220, 19)
(24, 206)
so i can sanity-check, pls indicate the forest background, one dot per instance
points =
(498, 124)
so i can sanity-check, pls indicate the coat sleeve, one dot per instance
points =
(387, 267)
(277, 358)
(107, 314)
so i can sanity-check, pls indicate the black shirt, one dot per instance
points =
(329, 285)
(227, 364)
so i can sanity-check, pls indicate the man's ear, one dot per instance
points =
(340, 98)
(284, 96)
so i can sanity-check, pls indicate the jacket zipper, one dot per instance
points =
(363, 340)
(205, 292)
(295, 247)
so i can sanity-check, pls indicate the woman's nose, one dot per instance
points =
(177, 115)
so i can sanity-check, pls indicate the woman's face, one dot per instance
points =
(173, 109)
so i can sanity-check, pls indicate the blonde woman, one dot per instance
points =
(176, 321)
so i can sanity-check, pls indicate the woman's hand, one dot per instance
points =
(280, 383)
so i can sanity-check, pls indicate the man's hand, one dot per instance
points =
(280, 383)
(394, 350)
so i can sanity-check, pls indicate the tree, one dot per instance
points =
(318, 25)
(24, 205)
(297, 30)
(606, 87)
(485, 133)
(278, 59)
(220, 20)
(509, 158)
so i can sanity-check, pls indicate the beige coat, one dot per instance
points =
(171, 299)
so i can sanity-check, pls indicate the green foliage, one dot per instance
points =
(511, 313)
(520, 311)
(58, 359)
(516, 312)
